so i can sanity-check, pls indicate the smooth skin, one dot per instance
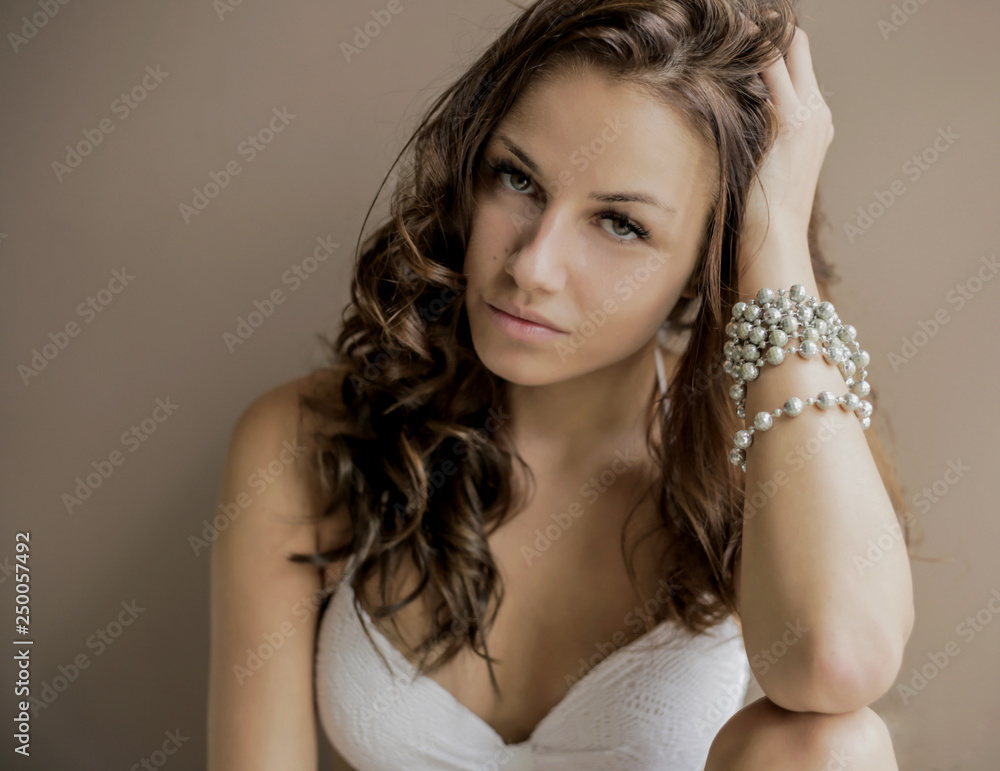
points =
(763, 735)
(562, 262)
(538, 240)
(263, 719)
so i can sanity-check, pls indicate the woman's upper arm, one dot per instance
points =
(263, 607)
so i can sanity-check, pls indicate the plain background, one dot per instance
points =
(891, 92)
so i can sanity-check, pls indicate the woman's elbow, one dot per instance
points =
(833, 674)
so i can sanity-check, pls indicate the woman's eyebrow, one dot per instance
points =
(619, 197)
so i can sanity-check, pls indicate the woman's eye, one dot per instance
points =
(624, 233)
(625, 229)
(622, 220)
(521, 176)
(503, 169)
(517, 175)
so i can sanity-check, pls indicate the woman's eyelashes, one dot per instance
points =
(503, 167)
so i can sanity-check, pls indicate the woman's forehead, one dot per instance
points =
(608, 135)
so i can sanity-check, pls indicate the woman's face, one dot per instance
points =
(556, 232)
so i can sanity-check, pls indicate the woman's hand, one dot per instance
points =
(783, 198)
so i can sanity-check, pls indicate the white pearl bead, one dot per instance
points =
(793, 406)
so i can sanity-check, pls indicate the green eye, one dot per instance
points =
(622, 220)
(504, 167)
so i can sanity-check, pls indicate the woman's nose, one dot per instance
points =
(542, 252)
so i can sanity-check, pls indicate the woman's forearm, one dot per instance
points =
(826, 624)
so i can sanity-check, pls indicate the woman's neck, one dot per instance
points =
(589, 417)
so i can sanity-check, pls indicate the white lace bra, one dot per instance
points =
(635, 710)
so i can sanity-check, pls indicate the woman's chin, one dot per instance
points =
(519, 364)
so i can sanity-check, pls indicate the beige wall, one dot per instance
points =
(161, 335)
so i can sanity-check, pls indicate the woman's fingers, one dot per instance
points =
(800, 65)
(776, 75)
(779, 82)
(790, 79)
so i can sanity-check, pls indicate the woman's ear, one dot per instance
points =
(689, 292)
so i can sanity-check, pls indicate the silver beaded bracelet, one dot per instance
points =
(758, 332)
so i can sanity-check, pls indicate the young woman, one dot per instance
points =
(526, 524)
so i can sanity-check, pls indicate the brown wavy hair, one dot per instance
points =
(406, 412)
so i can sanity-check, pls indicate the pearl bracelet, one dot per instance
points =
(767, 324)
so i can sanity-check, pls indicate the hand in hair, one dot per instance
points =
(782, 197)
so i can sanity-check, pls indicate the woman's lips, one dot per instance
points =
(519, 328)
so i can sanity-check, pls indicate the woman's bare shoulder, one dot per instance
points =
(279, 407)
(257, 591)
(274, 436)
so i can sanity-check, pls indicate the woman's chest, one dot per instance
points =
(568, 602)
